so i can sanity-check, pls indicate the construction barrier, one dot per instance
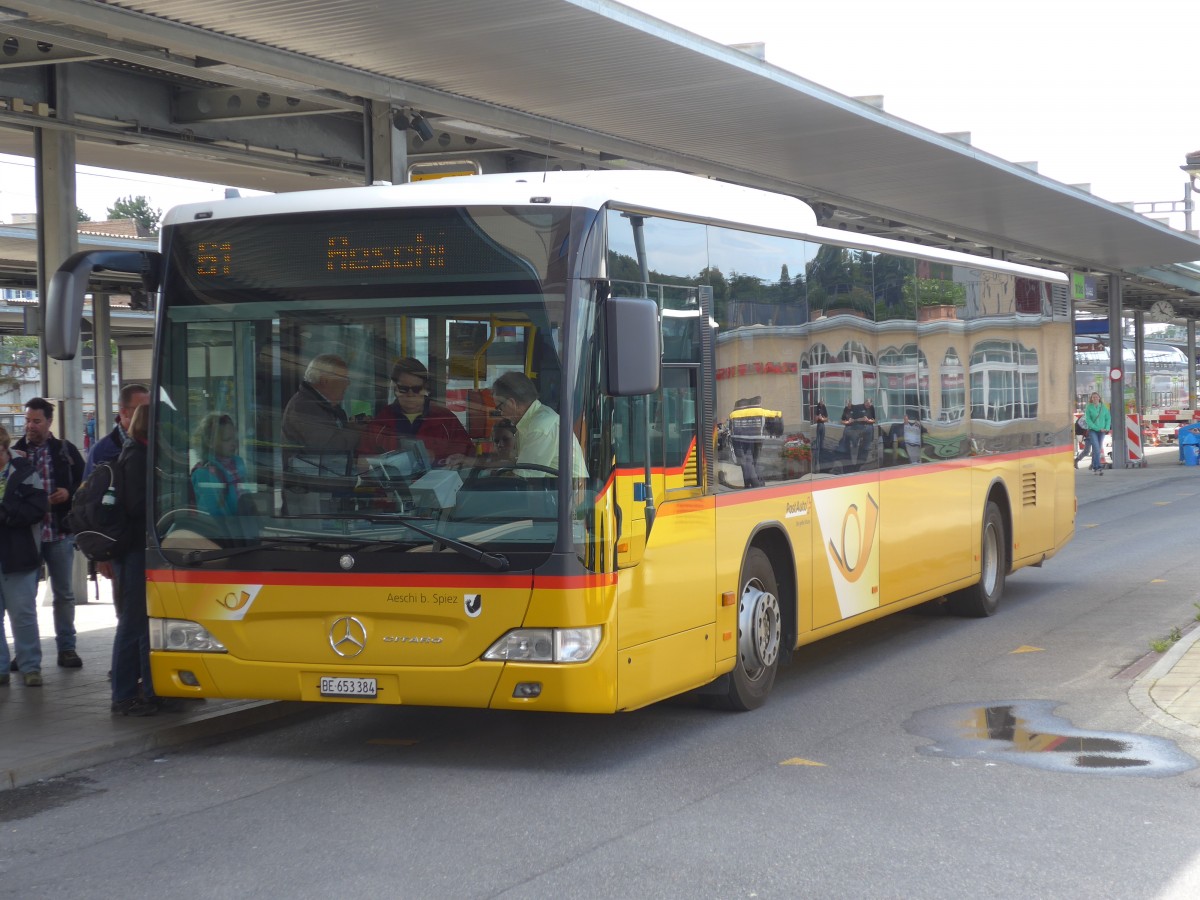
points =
(1134, 458)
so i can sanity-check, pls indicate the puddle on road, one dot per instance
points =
(1027, 733)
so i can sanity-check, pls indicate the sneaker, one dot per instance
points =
(135, 706)
(33, 679)
(69, 659)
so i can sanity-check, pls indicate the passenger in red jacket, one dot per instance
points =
(414, 415)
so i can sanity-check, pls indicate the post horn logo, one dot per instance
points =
(234, 601)
(865, 529)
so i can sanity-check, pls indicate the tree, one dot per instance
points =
(81, 216)
(139, 209)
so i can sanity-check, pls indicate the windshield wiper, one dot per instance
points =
(496, 561)
(192, 557)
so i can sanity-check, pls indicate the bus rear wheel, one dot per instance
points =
(982, 599)
(760, 636)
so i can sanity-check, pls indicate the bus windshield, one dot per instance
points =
(325, 387)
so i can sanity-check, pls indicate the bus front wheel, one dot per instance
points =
(760, 636)
(982, 599)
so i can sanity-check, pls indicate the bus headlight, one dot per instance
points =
(546, 645)
(182, 635)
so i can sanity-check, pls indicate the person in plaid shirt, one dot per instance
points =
(61, 468)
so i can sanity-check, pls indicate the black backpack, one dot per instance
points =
(97, 518)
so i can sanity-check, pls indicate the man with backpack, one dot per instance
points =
(108, 448)
(60, 466)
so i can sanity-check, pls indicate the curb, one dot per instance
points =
(1139, 692)
(197, 727)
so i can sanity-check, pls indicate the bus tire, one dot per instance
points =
(759, 639)
(982, 599)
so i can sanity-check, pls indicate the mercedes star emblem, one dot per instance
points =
(348, 637)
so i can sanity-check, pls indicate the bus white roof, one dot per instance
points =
(671, 194)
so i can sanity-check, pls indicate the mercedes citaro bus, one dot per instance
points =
(649, 536)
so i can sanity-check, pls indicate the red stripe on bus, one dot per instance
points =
(382, 579)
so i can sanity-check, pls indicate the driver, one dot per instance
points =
(537, 425)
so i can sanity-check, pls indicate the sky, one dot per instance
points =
(1096, 93)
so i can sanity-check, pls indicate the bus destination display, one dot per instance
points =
(311, 251)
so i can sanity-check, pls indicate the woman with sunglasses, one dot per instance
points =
(414, 415)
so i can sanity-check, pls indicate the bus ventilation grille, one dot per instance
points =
(1029, 489)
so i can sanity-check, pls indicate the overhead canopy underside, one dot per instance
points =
(580, 82)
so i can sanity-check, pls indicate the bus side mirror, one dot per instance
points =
(69, 286)
(632, 345)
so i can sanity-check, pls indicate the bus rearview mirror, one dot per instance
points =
(633, 346)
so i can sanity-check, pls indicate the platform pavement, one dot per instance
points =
(66, 725)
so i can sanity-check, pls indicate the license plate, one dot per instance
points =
(348, 687)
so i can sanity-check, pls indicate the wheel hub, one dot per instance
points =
(759, 629)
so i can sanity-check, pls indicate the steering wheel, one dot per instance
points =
(194, 527)
(169, 518)
(505, 468)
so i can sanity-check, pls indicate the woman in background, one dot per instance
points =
(1099, 423)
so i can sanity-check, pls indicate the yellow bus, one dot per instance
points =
(769, 432)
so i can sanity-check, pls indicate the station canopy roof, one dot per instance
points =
(583, 82)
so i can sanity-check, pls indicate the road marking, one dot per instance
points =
(797, 761)
(1025, 648)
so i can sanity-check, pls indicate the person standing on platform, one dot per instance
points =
(132, 687)
(109, 447)
(1099, 423)
(60, 466)
(23, 504)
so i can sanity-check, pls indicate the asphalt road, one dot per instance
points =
(839, 787)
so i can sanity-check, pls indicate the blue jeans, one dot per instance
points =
(18, 597)
(131, 646)
(1096, 441)
(60, 561)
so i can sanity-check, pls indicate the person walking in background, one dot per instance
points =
(1081, 433)
(1099, 423)
(61, 469)
(109, 447)
(23, 505)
